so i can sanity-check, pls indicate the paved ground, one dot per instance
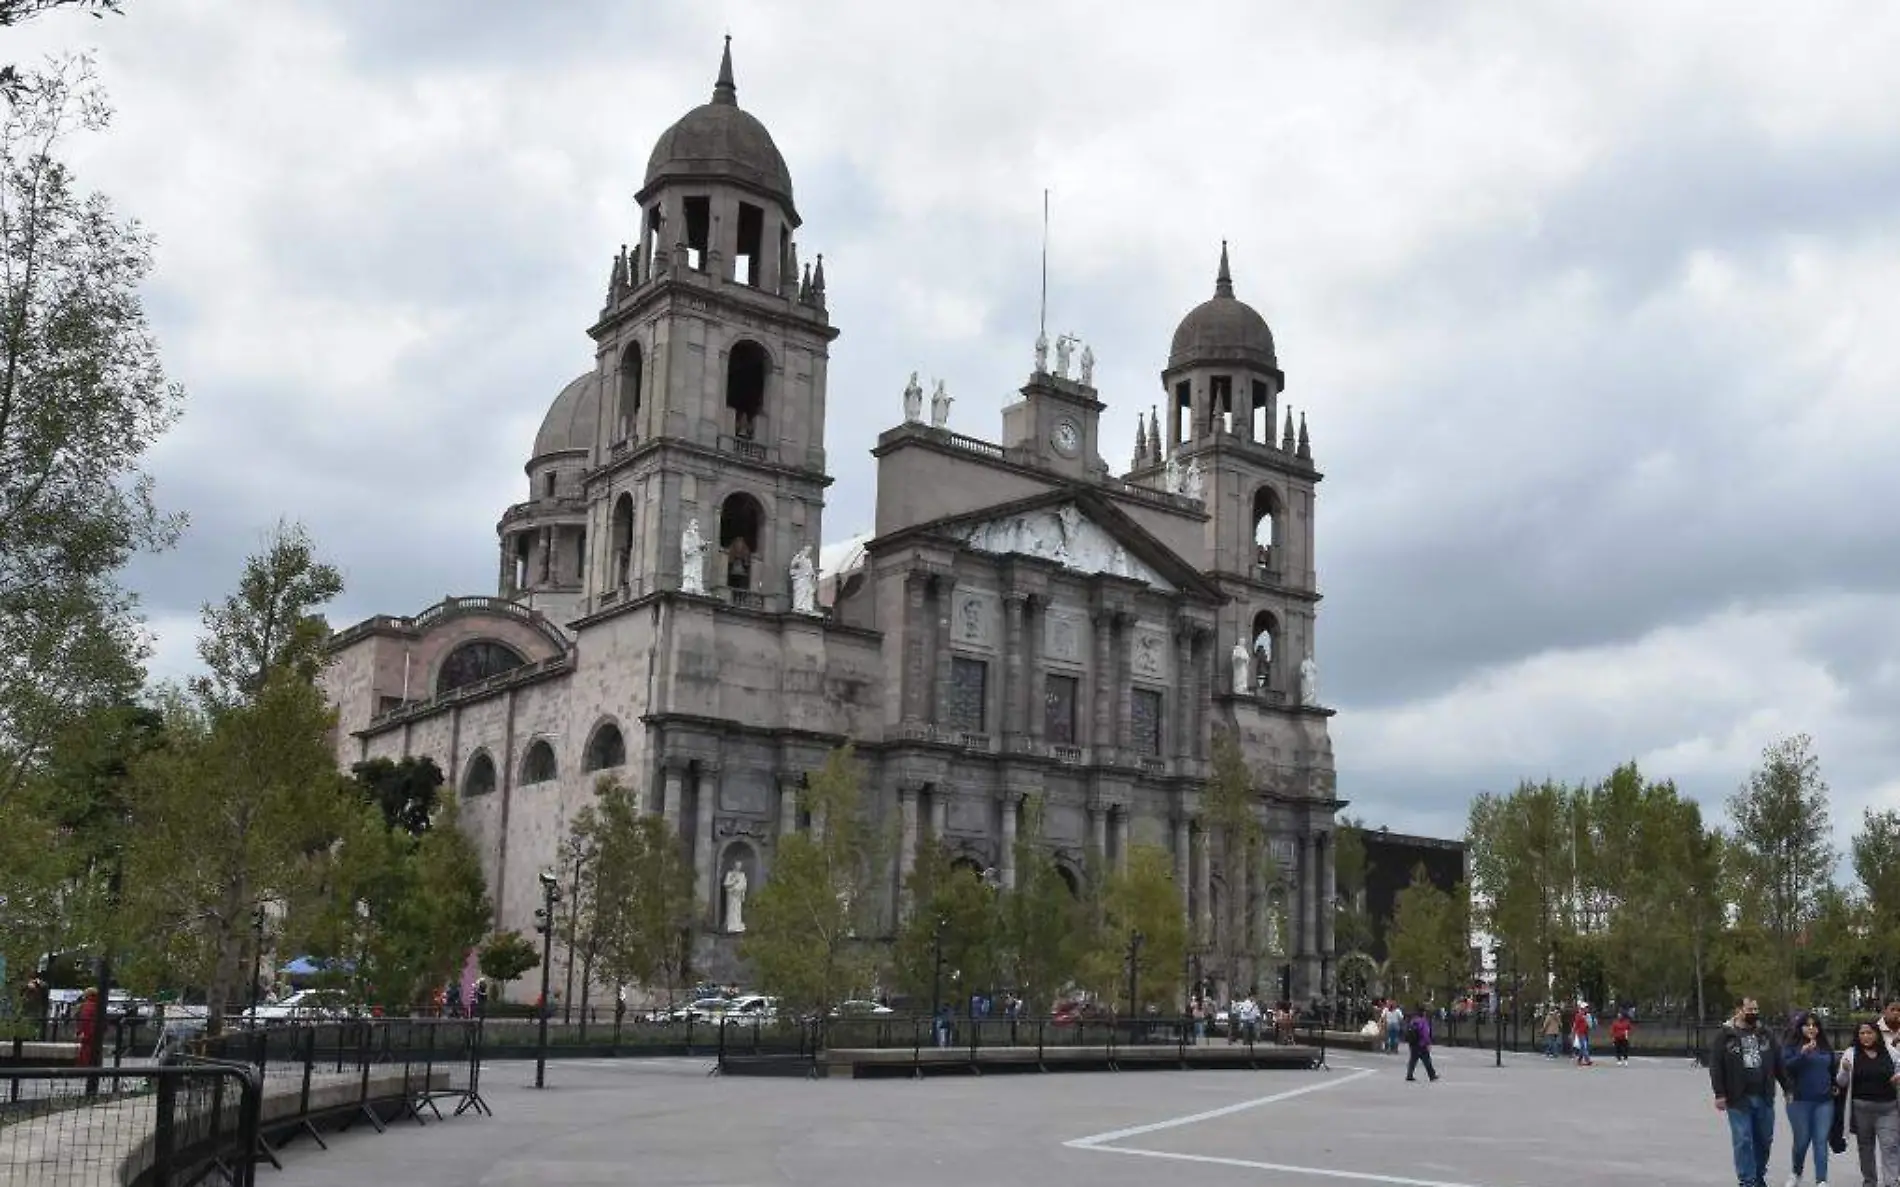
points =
(1532, 1124)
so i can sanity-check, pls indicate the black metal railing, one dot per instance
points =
(153, 1125)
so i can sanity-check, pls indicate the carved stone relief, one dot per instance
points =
(1066, 537)
(1062, 637)
(1150, 661)
(974, 621)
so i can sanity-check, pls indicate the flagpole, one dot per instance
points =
(1042, 317)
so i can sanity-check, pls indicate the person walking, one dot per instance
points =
(1418, 1041)
(1744, 1066)
(1394, 1025)
(1553, 1033)
(1620, 1037)
(1808, 1072)
(1868, 1074)
(1580, 1034)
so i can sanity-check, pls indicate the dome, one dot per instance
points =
(570, 421)
(1223, 329)
(721, 140)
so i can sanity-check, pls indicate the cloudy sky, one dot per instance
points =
(1583, 304)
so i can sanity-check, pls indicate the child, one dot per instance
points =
(1620, 1036)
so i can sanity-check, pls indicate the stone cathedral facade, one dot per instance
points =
(1023, 621)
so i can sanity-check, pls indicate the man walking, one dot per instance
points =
(1744, 1064)
(1418, 1040)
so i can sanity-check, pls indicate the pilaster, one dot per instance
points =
(946, 585)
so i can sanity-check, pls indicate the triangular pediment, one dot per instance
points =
(1064, 534)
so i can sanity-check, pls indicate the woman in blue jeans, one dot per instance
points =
(1808, 1066)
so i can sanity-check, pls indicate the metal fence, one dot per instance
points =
(152, 1125)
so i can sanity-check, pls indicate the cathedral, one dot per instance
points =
(1022, 622)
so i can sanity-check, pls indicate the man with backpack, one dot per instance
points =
(1418, 1042)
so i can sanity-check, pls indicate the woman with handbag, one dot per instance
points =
(1867, 1073)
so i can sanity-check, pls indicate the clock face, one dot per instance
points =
(1068, 437)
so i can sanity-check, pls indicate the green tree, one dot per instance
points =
(1042, 923)
(949, 943)
(1352, 922)
(404, 791)
(1522, 854)
(507, 956)
(1430, 943)
(638, 903)
(271, 623)
(1142, 899)
(803, 926)
(1229, 806)
(82, 399)
(1785, 857)
(1876, 854)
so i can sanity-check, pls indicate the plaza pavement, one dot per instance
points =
(1533, 1123)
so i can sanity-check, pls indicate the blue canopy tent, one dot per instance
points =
(310, 966)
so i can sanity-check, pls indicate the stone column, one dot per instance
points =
(1184, 865)
(1327, 893)
(1098, 832)
(1124, 682)
(907, 841)
(505, 577)
(1121, 837)
(671, 793)
(1033, 611)
(1203, 885)
(703, 838)
(1102, 737)
(787, 805)
(1185, 692)
(939, 811)
(1309, 893)
(1007, 865)
(1204, 692)
(946, 586)
(916, 630)
(1014, 698)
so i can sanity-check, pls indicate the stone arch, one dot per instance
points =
(742, 856)
(620, 540)
(747, 366)
(478, 778)
(630, 376)
(538, 764)
(1264, 641)
(606, 748)
(1269, 529)
(741, 538)
(1071, 875)
(475, 660)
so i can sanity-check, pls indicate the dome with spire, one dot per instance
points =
(1223, 329)
(721, 141)
(569, 423)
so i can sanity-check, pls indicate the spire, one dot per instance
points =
(1286, 435)
(804, 297)
(1154, 434)
(818, 282)
(1306, 445)
(1141, 442)
(1224, 282)
(724, 92)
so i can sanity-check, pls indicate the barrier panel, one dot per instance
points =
(145, 1125)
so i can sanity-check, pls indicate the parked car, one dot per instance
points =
(751, 1009)
(305, 1005)
(859, 1009)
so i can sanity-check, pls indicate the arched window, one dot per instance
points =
(740, 518)
(746, 367)
(538, 765)
(476, 660)
(605, 749)
(480, 777)
(1069, 880)
(632, 376)
(1266, 644)
(1266, 530)
(621, 534)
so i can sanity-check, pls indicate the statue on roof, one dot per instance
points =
(1194, 483)
(692, 559)
(1088, 366)
(1064, 344)
(804, 583)
(1042, 352)
(1174, 475)
(913, 401)
(940, 401)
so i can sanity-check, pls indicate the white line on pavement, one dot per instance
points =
(1137, 1130)
(1317, 1171)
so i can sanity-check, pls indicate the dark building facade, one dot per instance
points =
(1391, 859)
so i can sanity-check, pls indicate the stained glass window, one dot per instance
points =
(1146, 714)
(476, 661)
(1058, 715)
(969, 679)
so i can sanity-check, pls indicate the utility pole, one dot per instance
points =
(544, 923)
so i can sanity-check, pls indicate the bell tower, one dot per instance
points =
(711, 352)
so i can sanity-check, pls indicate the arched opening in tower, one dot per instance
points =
(1266, 644)
(745, 388)
(748, 261)
(632, 377)
(1181, 416)
(1266, 529)
(740, 518)
(1221, 403)
(620, 532)
(1260, 417)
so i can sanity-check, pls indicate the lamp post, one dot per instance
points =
(257, 954)
(544, 923)
(1497, 1004)
(936, 977)
(582, 855)
(1135, 941)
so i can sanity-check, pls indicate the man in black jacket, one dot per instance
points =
(1744, 1066)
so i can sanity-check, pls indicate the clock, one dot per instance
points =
(1067, 438)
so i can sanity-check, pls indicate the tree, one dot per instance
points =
(1431, 936)
(82, 399)
(637, 901)
(804, 923)
(1352, 922)
(1784, 853)
(1524, 867)
(1140, 898)
(507, 956)
(404, 791)
(948, 947)
(1876, 853)
(1042, 924)
(270, 623)
(1228, 805)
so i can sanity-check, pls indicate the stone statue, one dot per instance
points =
(804, 583)
(1174, 476)
(1063, 345)
(913, 401)
(1194, 483)
(1309, 681)
(692, 559)
(735, 882)
(1241, 661)
(940, 407)
(1042, 351)
(1088, 366)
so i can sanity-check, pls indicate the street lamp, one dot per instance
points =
(257, 955)
(544, 923)
(1135, 941)
(581, 854)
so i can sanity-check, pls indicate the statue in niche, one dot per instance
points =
(1088, 366)
(1309, 681)
(735, 884)
(1174, 478)
(1063, 345)
(692, 559)
(1042, 352)
(1241, 661)
(1194, 483)
(913, 401)
(845, 905)
(940, 401)
(804, 583)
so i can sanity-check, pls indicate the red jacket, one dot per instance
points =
(1620, 1029)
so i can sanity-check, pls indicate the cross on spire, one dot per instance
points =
(724, 92)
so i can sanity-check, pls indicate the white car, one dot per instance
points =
(860, 1009)
(305, 1005)
(753, 1009)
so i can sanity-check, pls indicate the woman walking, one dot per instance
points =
(1808, 1064)
(1868, 1074)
